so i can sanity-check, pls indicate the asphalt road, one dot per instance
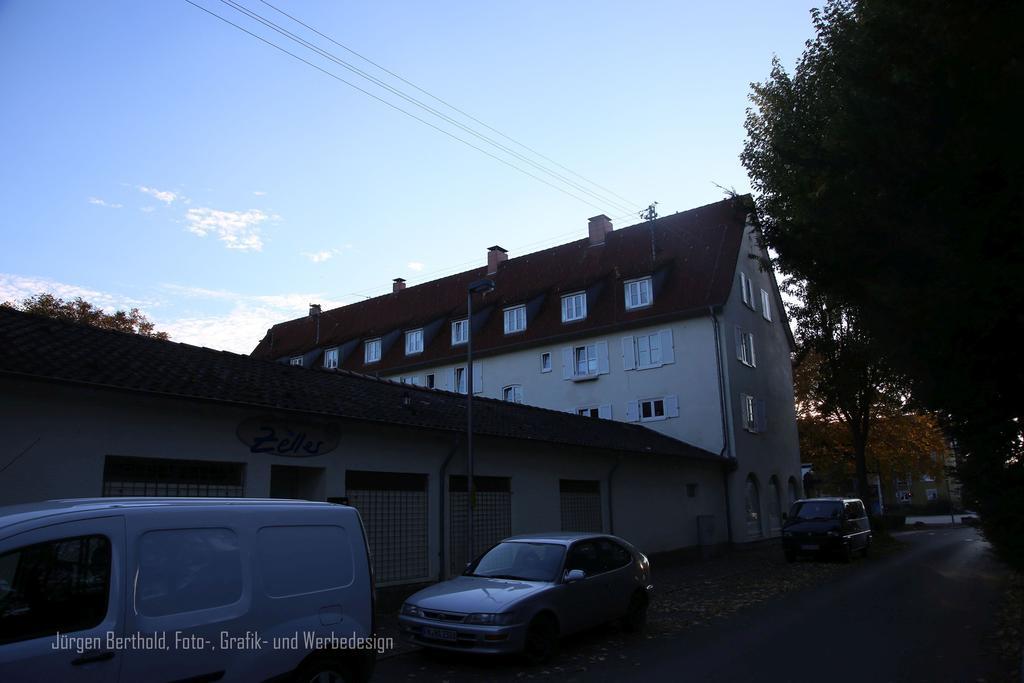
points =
(922, 614)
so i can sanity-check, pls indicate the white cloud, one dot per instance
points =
(100, 202)
(165, 196)
(148, 209)
(17, 287)
(320, 256)
(415, 265)
(258, 193)
(236, 229)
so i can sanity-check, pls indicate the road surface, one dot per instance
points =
(922, 614)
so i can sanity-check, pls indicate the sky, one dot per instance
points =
(157, 157)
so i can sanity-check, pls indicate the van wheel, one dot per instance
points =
(541, 640)
(636, 614)
(322, 670)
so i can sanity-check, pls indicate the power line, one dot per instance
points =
(445, 103)
(412, 100)
(392, 105)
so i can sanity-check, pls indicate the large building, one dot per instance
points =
(676, 324)
(87, 412)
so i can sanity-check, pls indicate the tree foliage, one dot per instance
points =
(81, 311)
(889, 170)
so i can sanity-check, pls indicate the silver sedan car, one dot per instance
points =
(527, 591)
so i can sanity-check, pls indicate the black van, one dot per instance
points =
(822, 526)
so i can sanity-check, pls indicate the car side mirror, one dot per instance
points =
(574, 575)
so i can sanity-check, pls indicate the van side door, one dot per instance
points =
(62, 601)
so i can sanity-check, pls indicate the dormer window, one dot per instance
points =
(638, 293)
(414, 342)
(371, 350)
(460, 332)
(574, 307)
(515, 319)
(331, 359)
(297, 360)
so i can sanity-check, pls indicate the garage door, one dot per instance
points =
(580, 501)
(393, 506)
(492, 515)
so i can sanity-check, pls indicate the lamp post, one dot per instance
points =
(478, 287)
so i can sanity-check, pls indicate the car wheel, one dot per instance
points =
(636, 614)
(865, 550)
(322, 670)
(847, 553)
(541, 640)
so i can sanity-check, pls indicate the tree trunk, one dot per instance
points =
(860, 448)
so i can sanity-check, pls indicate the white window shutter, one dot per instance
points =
(739, 343)
(567, 363)
(605, 411)
(449, 379)
(632, 411)
(602, 357)
(478, 377)
(628, 353)
(668, 354)
(672, 406)
(753, 356)
(743, 287)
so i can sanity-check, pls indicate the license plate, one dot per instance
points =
(439, 633)
(808, 547)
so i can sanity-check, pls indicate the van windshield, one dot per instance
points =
(816, 509)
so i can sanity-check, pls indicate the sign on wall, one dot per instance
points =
(287, 437)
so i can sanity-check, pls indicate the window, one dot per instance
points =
(585, 360)
(652, 409)
(460, 380)
(515, 319)
(371, 350)
(591, 411)
(766, 306)
(183, 570)
(460, 332)
(753, 414)
(574, 307)
(691, 490)
(638, 293)
(430, 381)
(297, 360)
(54, 587)
(414, 342)
(747, 288)
(512, 393)
(603, 411)
(545, 361)
(331, 359)
(931, 494)
(745, 348)
(128, 476)
(647, 351)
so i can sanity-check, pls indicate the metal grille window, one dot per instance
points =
(492, 515)
(581, 504)
(126, 476)
(394, 509)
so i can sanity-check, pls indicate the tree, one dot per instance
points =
(889, 171)
(81, 311)
(843, 385)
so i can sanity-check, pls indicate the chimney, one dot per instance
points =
(600, 226)
(397, 285)
(314, 309)
(495, 255)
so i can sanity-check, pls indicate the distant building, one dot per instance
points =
(676, 324)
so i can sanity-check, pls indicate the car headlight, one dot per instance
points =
(411, 610)
(500, 619)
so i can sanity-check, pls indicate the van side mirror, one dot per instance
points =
(574, 575)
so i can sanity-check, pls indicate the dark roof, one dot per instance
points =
(691, 255)
(44, 348)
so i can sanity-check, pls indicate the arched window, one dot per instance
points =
(794, 492)
(774, 505)
(753, 501)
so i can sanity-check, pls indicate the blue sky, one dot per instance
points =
(155, 156)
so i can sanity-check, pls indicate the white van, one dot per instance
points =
(184, 589)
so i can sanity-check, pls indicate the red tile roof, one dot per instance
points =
(691, 255)
(39, 348)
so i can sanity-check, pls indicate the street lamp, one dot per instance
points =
(478, 287)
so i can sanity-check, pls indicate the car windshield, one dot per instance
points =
(520, 560)
(816, 509)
